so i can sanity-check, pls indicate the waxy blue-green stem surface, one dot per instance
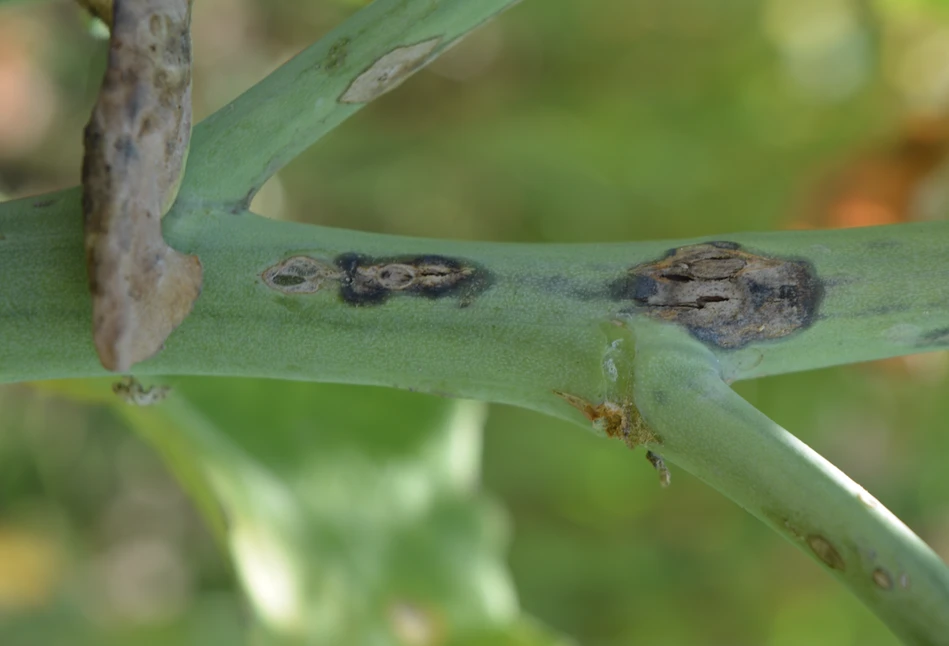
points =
(538, 327)
(547, 322)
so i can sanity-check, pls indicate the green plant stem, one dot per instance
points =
(295, 106)
(709, 430)
(536, 329)
(544, 324)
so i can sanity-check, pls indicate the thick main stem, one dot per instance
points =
(537, 323)
(534, 326)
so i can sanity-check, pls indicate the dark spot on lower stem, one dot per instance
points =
(372, 281)
(724, 296)
(882, 579)
(826, 552)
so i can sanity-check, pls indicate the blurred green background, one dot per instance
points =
(562, 121)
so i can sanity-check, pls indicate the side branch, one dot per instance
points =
(497, 322)
(240, 146)
(713, 433)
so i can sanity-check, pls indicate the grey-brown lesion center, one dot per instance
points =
(362, 280)
(723, 295)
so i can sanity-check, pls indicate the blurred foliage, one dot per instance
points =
(562, 121)
(338, 514)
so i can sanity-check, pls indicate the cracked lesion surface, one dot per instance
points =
(363, 280)
(371, 281)
(723, 295)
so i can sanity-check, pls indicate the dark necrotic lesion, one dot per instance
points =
(372, 281)
(724, 296)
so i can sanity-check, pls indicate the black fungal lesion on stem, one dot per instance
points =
(723, 295)
(372, 281)
(363, 280)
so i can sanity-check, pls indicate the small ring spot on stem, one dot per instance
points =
(882, 579)
(299, 275)
(826, 552)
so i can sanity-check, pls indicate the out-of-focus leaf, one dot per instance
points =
(210, 622)
(161, 430)
(352, 514)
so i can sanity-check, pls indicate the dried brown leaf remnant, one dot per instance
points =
(621, 422)
(136, 144)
